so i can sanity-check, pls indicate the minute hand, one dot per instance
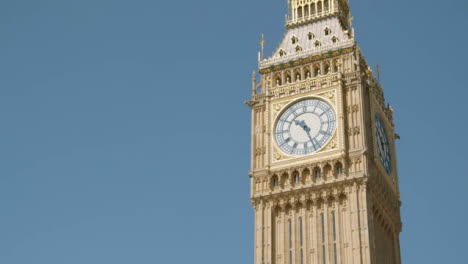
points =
(311, 140)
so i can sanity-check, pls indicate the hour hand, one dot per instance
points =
(303, 125)
(300, 123)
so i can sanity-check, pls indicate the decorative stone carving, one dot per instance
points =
(354, 131)
(330, 95)
(258, 129)
(352, 108)
(260, 151)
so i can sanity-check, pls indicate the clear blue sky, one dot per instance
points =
(124, 138)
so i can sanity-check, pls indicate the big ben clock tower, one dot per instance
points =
(324, 180)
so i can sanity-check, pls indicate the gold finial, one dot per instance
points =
(378, 73)
(262, 44)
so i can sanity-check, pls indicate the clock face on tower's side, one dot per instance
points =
(382, 145)
(305, 127)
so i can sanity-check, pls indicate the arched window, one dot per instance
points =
(299, 12)
(319, 8)
(317, 173)
(310, 36)
(298, 77)
(282, 53)
(326, 6)
(306, 11)
(339, 169)
(316, 70)
(326, 69)
(335, 66)
(312, 9)
(278, 81)
(297, 178)
(276, 182)
(327, 31)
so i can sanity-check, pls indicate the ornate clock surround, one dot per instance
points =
(330, 92)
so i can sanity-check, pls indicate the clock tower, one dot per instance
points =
(324, 179)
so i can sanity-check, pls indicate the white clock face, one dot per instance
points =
(383, 147)
(305, 127)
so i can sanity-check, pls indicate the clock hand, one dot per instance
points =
(299, 123)
(303, 125)
(307, 130)
(311, 140)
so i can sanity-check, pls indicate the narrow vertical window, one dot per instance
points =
(339, 169)
(302, 243)
(318, 174)
(334, 237)
(275, 181)
(297, 178)
(323, 239)
(290, 242)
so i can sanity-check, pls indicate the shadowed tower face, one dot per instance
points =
(324, 179)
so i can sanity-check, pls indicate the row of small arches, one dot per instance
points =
(296, 206)
(300, 178)
(305, 11)
(309, 72)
